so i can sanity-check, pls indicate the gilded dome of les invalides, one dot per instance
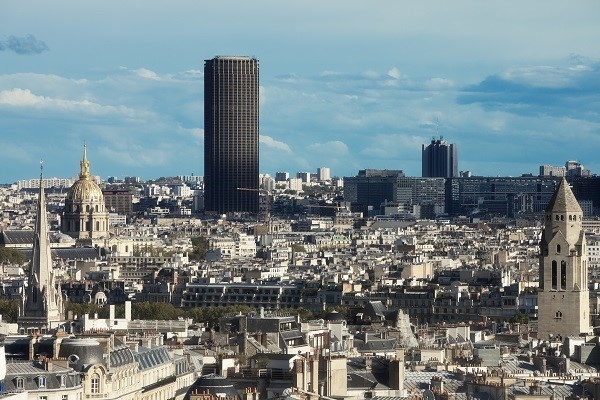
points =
(84, 215)
(85, 189)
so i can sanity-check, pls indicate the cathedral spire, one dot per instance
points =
(85, 166)
(42, 303)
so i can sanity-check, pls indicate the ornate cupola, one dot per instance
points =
(85, 215)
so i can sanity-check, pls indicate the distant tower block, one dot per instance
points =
(439, 159)
(563, 296)
(324, 174)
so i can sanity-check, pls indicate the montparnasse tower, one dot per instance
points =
(42, 306)
(563, 296)
(85, 215)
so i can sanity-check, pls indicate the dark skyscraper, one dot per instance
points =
(440, 159)
(231, 134)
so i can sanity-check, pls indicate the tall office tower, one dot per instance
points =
(231, 134)
(563, 295)
(439, 159)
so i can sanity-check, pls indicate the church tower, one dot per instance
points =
(85, 216)
(563, 296)
(42, 305)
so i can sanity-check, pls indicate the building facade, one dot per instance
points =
(231, 134)
(439, 159)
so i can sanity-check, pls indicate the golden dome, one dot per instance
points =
(85, 189)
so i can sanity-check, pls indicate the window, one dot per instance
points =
(95, 383)
(558, 315)
(563, 275)
(20, 383)
(63, 380)
(554, 274)
(558, 248)
(64, 397)
(42, 381)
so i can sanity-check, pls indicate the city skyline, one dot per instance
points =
(342, 84)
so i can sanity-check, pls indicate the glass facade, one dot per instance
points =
(231, 134)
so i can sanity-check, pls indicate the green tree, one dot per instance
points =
(155, 311)
(86, 308)
(11, 256)
(9, 310)
(297, 247)
(520, 317)
(200, 247)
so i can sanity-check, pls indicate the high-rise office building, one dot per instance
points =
(440, 159)
(231, 134)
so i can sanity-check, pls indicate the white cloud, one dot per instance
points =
(439, 84)
(275, 144)
(334, 148)
(146, 73)
(394, 73)
(197, 133)
(18, 97)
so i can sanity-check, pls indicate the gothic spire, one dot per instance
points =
(42, 305)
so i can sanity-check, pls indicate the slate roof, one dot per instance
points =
(375, 344)
(291, 334)
(151, 357)
(215, 384)
(121, 355)
(563, 199)
(70, 253)
(29, 372)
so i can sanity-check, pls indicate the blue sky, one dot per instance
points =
(344, 84)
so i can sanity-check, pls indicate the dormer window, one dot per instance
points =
(41, 381)
(20, 383)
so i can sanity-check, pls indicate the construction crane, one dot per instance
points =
(266, 217)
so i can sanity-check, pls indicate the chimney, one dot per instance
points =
(111, 317)
(128, 310)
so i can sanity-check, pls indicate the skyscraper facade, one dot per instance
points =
(231, 134)
(440, 159)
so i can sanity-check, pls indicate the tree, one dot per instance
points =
(520, 317)
(11, 256)
(200, 244)
(298, 248)
(9, 310)
(155, 311)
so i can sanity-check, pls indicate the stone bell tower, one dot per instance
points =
(563, 296)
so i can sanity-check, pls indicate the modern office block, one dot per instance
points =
(439, 159)
(231, 134)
